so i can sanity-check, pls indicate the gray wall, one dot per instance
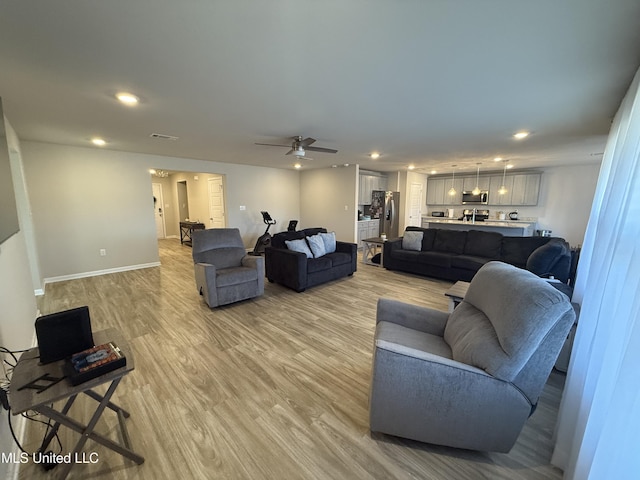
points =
(17, 298)
(329, 198)
(85, 199)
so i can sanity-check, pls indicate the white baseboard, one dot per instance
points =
(96, 273)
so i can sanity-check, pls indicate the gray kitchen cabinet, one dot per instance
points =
(438, 191)
(369, 183)
(368, 229)
(526, 187)
(469, 183)
(435, 191)
(494, 187)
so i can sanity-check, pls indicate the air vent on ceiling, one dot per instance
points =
(162, 136)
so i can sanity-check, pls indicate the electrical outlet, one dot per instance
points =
(103, 252)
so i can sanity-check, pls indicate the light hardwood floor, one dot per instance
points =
(271, 388)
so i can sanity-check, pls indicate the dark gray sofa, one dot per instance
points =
(296, 271)
(458, 254)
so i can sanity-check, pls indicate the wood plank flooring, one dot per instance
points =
(271, 388)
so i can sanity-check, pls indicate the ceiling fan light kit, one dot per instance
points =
(299, 146)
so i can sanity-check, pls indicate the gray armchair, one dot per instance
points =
(469, 379)
(224, 272)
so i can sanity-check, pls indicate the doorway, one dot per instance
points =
(183, 201)
(158, 205)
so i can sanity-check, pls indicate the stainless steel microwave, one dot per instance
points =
(481, 198)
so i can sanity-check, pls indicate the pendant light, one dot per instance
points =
(503, 189)
(476, 191)
(452, 191)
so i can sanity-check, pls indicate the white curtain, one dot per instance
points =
(598, 432)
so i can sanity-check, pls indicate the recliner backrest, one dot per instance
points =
(508, 317)
(222, 247)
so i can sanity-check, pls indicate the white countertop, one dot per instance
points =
(486, 223)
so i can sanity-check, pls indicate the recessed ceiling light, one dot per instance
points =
(520, 135)
(509, 166)
(346, 164)
(375, 155)
(127, 98)
(98, 141)
(497, 159)
(411, 167)
(297, 165)
(433, 172)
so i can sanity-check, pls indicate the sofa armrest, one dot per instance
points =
(411, 316)
(350, 249)
(286, 267)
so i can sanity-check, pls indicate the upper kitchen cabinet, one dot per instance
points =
(369, 183)
(494, 190)
(469, 183)
(526, 187)
(438, 191)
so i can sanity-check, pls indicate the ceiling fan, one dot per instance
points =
(299, 146)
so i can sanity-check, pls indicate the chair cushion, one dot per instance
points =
(319, 264)
(338, 258)
(451, 241)
(428, 235)
(516, 250)
(407, 341)
(412, 241)
(468, 262)
(226, 257)
(483, 244)
(300, 246)
(234, 276)
(316, 243)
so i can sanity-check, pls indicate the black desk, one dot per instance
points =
(186, 231)
(29, 369)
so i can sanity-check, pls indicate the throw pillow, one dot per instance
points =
(299, 246)
(317, 245)
(329, 240)
(412, 241)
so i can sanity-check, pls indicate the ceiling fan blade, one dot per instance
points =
(290, 151)
(307, 141)
(320, 149)
(273, 145)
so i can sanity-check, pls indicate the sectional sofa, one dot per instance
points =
(458, 254)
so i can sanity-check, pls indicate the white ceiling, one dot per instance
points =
(425, 82)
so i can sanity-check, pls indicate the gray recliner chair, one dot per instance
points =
(224, 272)
(469, 379)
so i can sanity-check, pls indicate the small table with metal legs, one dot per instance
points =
(36, 387)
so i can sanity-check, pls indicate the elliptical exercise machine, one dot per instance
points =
(264, 240)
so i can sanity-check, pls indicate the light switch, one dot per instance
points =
(243, 207)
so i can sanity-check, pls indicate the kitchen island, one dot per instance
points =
(510, 228)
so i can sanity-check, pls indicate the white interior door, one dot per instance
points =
(158, 205)
(216, 203)
(415, 205)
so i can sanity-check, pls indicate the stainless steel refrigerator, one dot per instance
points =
(385, 206)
